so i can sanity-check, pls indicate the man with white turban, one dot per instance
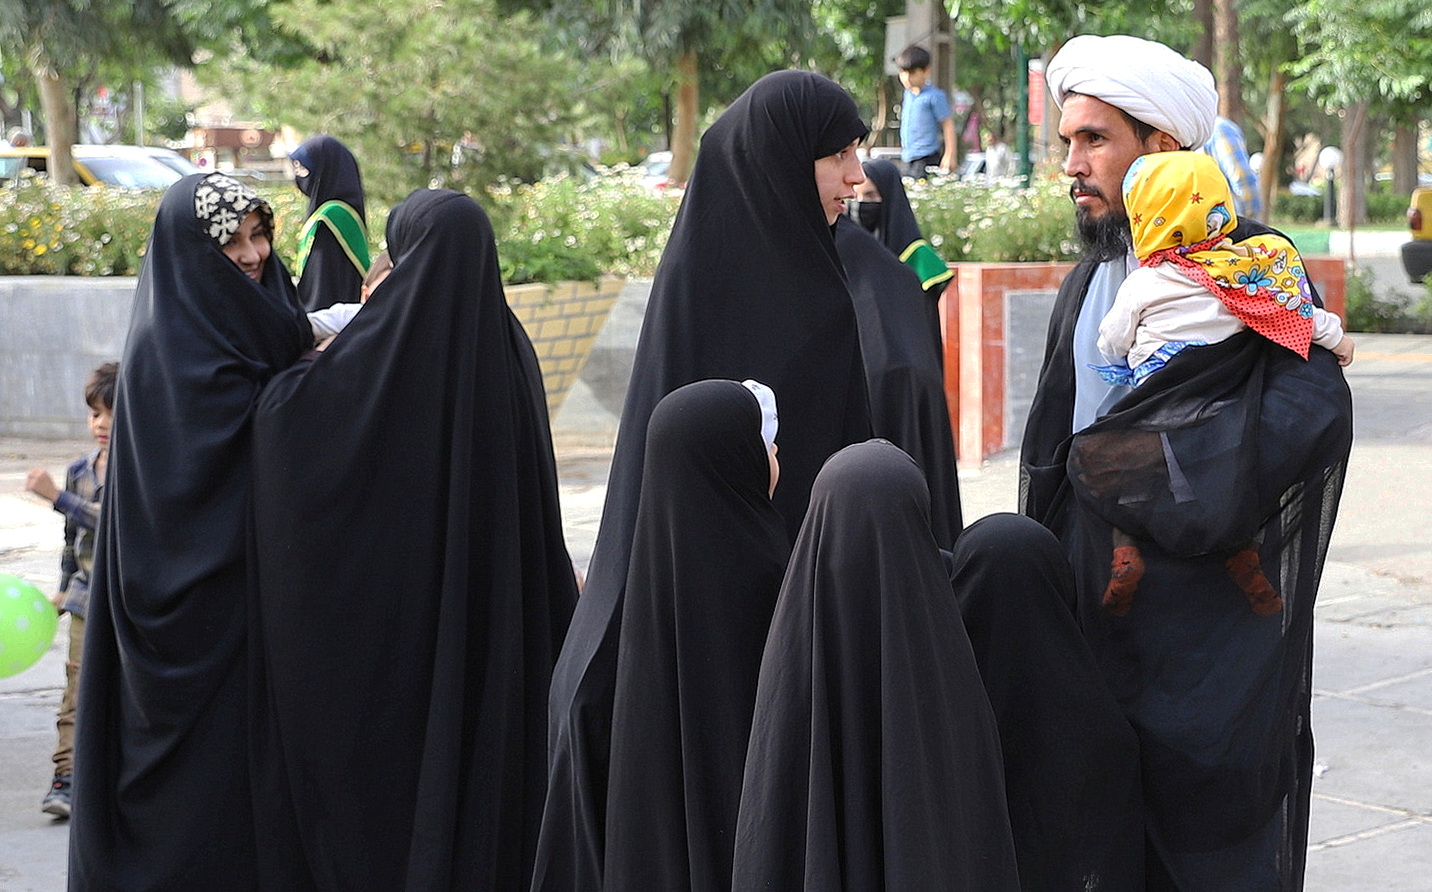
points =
(1169, 747)
(1120, 97)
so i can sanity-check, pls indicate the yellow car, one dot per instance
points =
(129, 167)
(1417, 254)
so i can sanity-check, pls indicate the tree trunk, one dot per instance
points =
(1270, 175)
(623, 146)
(1404, 159)
(1229, 61)
(59, 115)
(683, 144)
(1352, 188)
(1203, 49)
(882, 111)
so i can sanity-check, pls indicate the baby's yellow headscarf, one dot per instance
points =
(1180, 210)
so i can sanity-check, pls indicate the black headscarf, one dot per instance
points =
(874, 762)
(1232, 447)
(407, 644)
(897, 228)
(161, 790)
(903, 369)
(749, 286)
(707, 559)
(1071, 763)
(329, 276)
(899, 231)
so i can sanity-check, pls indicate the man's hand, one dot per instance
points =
(39, 482)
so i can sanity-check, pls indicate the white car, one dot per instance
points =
(653, 170)
(129, 167)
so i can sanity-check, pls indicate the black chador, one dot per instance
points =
(413, 584)
(750, 286)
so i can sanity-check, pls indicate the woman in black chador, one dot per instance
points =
(333, 246)
(413, 583)
(874, 762)
(903, 368)
(750, 286)
(707, 559)
(162, 796)
(884, 211)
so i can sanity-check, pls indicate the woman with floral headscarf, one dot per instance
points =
(162, 793)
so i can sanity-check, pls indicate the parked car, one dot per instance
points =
(653, 170)
(172, 159)
(1417, 253)
(128, 167)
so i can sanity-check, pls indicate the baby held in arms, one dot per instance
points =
(1196, 286)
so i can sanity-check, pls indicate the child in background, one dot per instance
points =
(927, 131)
(1195, 286)
(79, 503)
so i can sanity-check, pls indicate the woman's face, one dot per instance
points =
(836, 177)
(775, 469)
(249, 247)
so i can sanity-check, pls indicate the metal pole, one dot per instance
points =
(1026, 165)
(139, 113)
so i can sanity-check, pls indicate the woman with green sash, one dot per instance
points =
(333, 246)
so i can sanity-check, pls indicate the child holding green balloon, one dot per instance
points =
(79, 503)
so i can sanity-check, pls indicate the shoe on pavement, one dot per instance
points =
(57, 801)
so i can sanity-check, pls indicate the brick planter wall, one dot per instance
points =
(563, 321)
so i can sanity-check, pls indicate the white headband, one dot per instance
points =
(766, 399)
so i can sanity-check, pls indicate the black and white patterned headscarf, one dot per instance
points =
(223, 202)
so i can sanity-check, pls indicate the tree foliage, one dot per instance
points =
(75, 35)
(1375, 50)
(1043, 25)
(424, 93)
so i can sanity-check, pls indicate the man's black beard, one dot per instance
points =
(1104, 238)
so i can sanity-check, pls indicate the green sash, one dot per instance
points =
(920, 257)
(345, 225)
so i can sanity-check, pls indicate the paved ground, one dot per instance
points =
(1372, 711)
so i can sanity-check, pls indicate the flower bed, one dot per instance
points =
(555, 230)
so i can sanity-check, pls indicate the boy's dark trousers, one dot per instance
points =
(916, 169)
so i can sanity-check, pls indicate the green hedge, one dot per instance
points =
(567, 227)
(1382, 207)
(1002, 223)
(556, 229)
(561, 228)
(1390, 311)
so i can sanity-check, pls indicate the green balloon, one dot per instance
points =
(27, 624)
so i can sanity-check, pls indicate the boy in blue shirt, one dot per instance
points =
(927, 132)
(79, 503)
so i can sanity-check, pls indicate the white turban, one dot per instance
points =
(1147, 80)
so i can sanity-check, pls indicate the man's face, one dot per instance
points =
(1100, 145)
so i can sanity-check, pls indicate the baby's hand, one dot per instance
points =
(1343, 350)
(39, 482)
